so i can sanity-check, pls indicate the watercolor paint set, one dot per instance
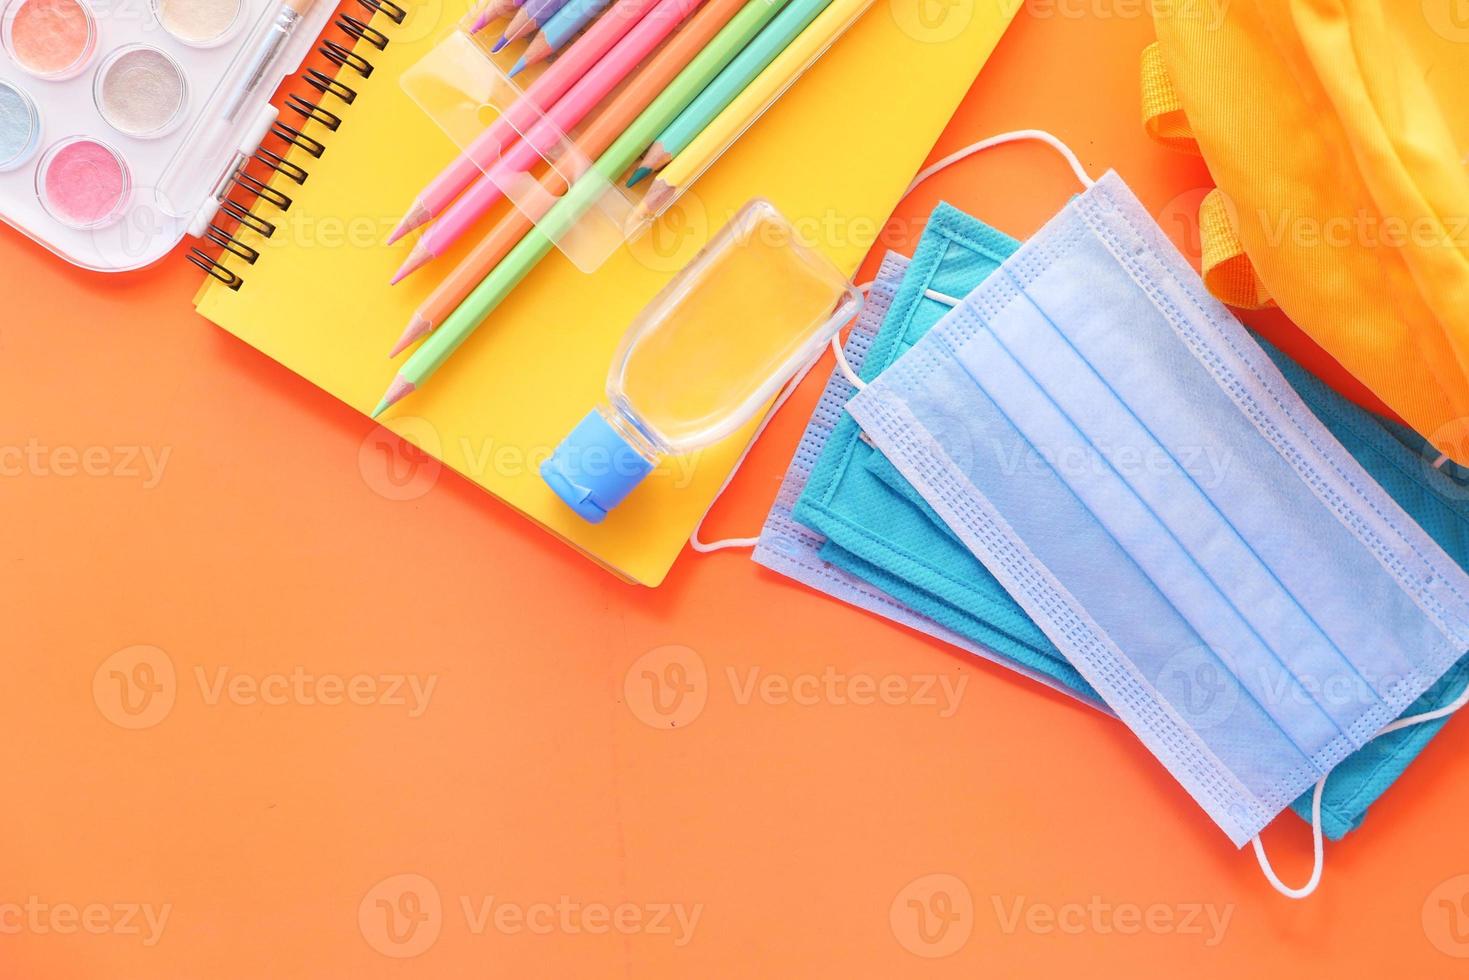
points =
(123, 123)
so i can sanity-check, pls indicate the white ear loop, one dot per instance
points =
(845, 366)
(705, 547)
(1016, 136)
(1317, 846)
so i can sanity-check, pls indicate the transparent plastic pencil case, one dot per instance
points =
(465, 88)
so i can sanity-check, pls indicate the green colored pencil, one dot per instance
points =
(537, 242)
(750, 62)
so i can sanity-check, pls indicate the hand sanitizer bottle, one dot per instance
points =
(714, 347)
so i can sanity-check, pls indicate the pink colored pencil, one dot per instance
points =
(537, 99)
(549, 133)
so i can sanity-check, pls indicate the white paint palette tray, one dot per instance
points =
(123, 122)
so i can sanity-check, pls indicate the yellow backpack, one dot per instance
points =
(1336, 132)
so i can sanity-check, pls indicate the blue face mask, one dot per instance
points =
(1139, 476)
(1400, 460)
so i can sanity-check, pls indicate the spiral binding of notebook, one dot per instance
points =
(308, 106)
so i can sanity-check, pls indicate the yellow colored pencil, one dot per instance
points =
(736, 117)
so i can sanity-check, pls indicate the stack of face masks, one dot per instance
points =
(795, 550)
(1227, 680)
(875, 527)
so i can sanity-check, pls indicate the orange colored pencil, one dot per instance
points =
(605, 127)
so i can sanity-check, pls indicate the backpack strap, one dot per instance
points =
(1163, 116)
(1227, 270)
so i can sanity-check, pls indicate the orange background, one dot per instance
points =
(799, 832)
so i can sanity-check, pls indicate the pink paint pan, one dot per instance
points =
(83, 183)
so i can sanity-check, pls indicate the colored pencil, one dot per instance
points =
(583, 194)
(558, 31)
(543, 140)
(492, 10)
(537, 51)
(764, 49)
(604, 127)
(537, 99)
(737, 116)
(531, 18)
(569, 21)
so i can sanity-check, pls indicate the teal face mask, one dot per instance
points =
(865, 509)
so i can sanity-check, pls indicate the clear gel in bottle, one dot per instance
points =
(714, 347)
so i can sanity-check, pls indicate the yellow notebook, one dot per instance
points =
(834, 155)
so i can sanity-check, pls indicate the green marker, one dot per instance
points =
(493, 289)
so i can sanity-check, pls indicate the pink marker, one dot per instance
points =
(536, 100)
(549, 133)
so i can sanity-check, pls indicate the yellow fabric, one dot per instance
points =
(1339, 130)
(1163, 115)
(1227, 270)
